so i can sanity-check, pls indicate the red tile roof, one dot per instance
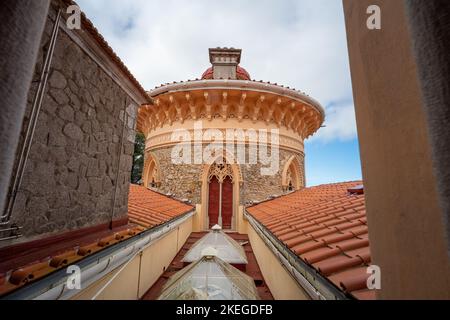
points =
(208, 74)
(146, 208)
(326, 226)
(36, 264)
(150, 209)
(241, 74)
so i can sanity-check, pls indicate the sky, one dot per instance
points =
(297, 43)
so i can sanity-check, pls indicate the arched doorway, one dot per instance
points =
(220, 196)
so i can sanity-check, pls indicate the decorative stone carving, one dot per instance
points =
(212, 104)
(221, 172)
(293, 175)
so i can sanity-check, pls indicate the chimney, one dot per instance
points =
(225, 62)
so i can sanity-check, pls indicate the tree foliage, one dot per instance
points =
(138, 159)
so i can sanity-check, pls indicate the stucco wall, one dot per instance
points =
(72, 170)
(407, 235)
(278, 279)
(138, 277)
(429, 24)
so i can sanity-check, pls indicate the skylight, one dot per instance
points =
(227, 249)
(210, 278)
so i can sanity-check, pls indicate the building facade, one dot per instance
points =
(74, 206)
(72, 168)
(241, 141)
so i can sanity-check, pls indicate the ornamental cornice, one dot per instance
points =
(241, 100)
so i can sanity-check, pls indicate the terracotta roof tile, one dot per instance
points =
(353, 279)
(308, 246)
(326, 226)
(149, 209)
(15, 278)
(337, 237)
(320, 254)
(337, 264)
(298, 241)
(350, 244)
(64, 259)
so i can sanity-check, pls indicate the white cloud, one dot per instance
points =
(339, 125)
(298, 43)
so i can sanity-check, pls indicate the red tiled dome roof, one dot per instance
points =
(241, 74)
(208, 74)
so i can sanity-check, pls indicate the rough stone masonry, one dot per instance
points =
(72, 170)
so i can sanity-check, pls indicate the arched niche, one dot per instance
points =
(293, 177)
(152, 171)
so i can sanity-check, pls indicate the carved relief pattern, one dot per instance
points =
(298, 116)
(221, 172)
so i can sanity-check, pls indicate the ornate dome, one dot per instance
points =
(208, 74)
(241, 74)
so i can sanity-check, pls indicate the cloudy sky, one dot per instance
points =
(298, 43)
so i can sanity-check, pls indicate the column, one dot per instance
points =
(220, 222)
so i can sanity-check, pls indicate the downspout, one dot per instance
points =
(31, 128)
(314, 284)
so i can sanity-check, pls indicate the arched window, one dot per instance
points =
(151, 172)
(292, 178)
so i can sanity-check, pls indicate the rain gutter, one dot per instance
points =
(96, 266)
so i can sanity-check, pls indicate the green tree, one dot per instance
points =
(138, 159)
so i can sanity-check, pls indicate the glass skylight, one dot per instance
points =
(210, 278)
(227, 249)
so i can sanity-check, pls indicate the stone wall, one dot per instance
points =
(184, 181)
(258, 187)
(72, 171)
